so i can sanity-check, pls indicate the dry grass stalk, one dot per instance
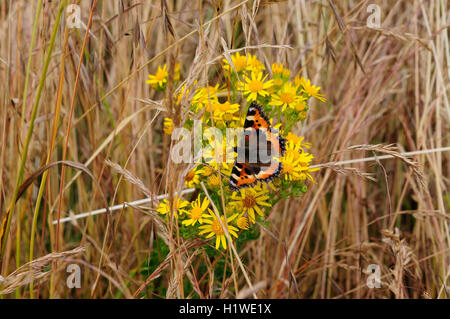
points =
(35, 270)
(384, 86)
(131, 178)
(393, 151)
(404, 257)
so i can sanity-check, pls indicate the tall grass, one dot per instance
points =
(68, 94)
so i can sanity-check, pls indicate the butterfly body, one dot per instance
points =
(260, 149)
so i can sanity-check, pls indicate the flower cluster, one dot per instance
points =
(285, 99)
(159, 80)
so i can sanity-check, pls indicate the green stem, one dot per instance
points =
(20, 174)
(6, 223)
(44, 178)
(30, 55)
(22, 117)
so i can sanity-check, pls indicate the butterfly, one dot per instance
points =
(259, 146)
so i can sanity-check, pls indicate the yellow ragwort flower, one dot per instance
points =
(195, 214)
(239, 62)
(214, 228)
(176, 75)
(207, 171)
(221, 112)
(277, 69)
(297, 142)
(305, 169)
(311, 90)
(302, 115)
(225, 108)
(159, 79)
(242, 223)
(226, 168)
(296, 167)
(168, 126)
(290, 163)
(255, 86)
(297, 81)
(286, 97)
(205, 97)
(183, 93)
(214, 180)
(218, 152)
(178, 206)
(254, 65)
(300, 104)
(192, 178)
(277, 82)
(249, 200)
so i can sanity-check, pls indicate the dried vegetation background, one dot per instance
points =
(384, 86)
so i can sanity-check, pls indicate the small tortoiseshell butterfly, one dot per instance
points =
(261, 146)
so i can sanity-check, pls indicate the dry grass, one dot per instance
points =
(384, 86)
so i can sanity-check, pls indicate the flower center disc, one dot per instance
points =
(189, 176)
(255, 86)
(216, 228)
(240, 63)
(249, 201)
(214, 180)
(196, 213)
(288, 167)
(160, 75)
(287, 97)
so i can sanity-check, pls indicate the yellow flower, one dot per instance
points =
(290, 166)
(229, 117)
(192, 178)
(297, 142)
(292, 151)
(249, 200)
(311, 90)
(297, 81)
(305, 174)
(210, 106)
(300, 104)
(287, 97)
(205, 97)
(296, 166)
(255, 86)
(196, 212)
(291, 137)
(214, 180)
(160, 77)
(168, 125)
(223, 111)
(302, 115)
(276, 182)
(183, 93)
(239, 62)
(286, 73)
(214, 228)
(277, 82)
(226, 120)
(242, 223)
(226, 107)
(218, 152)
(176, 75)
(305, 159)
(277, 69)
(226, 168)
(207, 171)
(254, 65)
(178, 206)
